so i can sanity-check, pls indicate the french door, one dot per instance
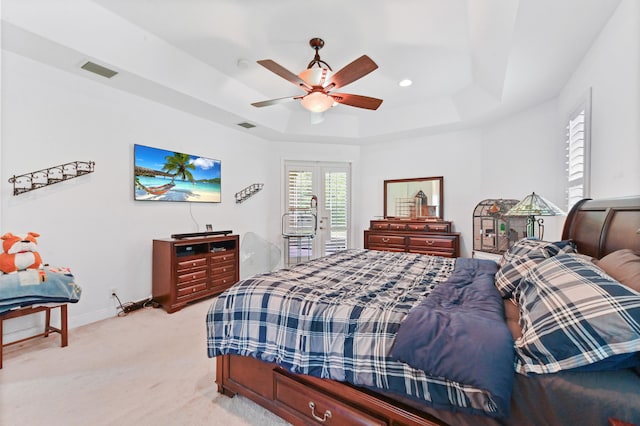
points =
(316, 218)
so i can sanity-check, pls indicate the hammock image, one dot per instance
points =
(156, 190)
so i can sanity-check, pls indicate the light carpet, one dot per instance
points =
(145, 368)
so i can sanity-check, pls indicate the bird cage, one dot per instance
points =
(494, 232)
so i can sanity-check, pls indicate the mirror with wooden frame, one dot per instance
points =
(419, 198)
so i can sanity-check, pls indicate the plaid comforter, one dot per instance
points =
(337, 317)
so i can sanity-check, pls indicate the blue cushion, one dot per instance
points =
(528, 246)
(508, 277)
(574, 315)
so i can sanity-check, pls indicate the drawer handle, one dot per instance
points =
(327, 413)
(429, 242)
(194, 290)
(385, 240)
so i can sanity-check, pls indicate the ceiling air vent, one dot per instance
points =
(246, 125)
(99, 69)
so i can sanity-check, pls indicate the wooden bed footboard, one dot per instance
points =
(303, 400)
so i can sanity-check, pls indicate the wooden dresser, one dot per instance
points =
(189, 269)
(414, 236)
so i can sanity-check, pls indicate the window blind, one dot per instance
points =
(336, 203)
(577, 153)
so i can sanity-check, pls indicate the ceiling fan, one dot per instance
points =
(319, 81)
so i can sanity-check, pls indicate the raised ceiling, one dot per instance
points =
(471, 61)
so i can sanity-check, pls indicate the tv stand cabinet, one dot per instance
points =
(190, 269)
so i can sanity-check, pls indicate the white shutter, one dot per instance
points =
(336, 199)
(300, 189)
(300, 219)
(578, 153)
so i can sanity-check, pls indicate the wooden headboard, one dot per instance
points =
(599, 227)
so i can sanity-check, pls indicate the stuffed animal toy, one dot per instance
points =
(19, 253)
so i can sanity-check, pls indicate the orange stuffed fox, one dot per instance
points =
(19, 253)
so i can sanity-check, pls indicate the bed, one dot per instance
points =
(431, 340)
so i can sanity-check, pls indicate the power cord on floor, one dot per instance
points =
(133, 306)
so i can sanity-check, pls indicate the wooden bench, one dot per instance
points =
(28, 310)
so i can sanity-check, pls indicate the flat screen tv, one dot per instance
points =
(161, 175)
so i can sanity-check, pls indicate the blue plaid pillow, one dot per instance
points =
(574, 315)
(508, 277)
(527, 246)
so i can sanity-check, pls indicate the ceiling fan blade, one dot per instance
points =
(284, 73)
(357, 101)
(275, 101)
(351, 72)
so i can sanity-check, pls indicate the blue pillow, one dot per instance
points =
(528, 246)
(574, 315)
(508, 277)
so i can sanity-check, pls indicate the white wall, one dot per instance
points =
(91, 224)
(612, 69)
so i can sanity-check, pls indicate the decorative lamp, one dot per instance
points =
(531, 206)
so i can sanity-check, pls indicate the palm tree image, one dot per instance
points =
(162, 175)
(179, 165)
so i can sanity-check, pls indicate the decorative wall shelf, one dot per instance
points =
(248, 192)
(41, 178)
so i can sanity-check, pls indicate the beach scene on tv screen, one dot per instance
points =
(161, 175)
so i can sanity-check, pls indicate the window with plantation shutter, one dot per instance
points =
(577, 141)
(335, 189)
(300, 189)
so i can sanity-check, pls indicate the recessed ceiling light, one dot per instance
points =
(405, 83)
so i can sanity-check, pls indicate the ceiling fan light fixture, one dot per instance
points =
(316, 76)
(317, 102)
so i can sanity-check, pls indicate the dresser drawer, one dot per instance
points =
(433, 252)
(438, 227)
(222, 256)
(318, 408)
(417, 227)
(185, 265)
(386, 240)
(192, 276)
(192, 289)
(380, 226)
(223, 268)
(397, 226)
(432, 242)
(224, 280)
